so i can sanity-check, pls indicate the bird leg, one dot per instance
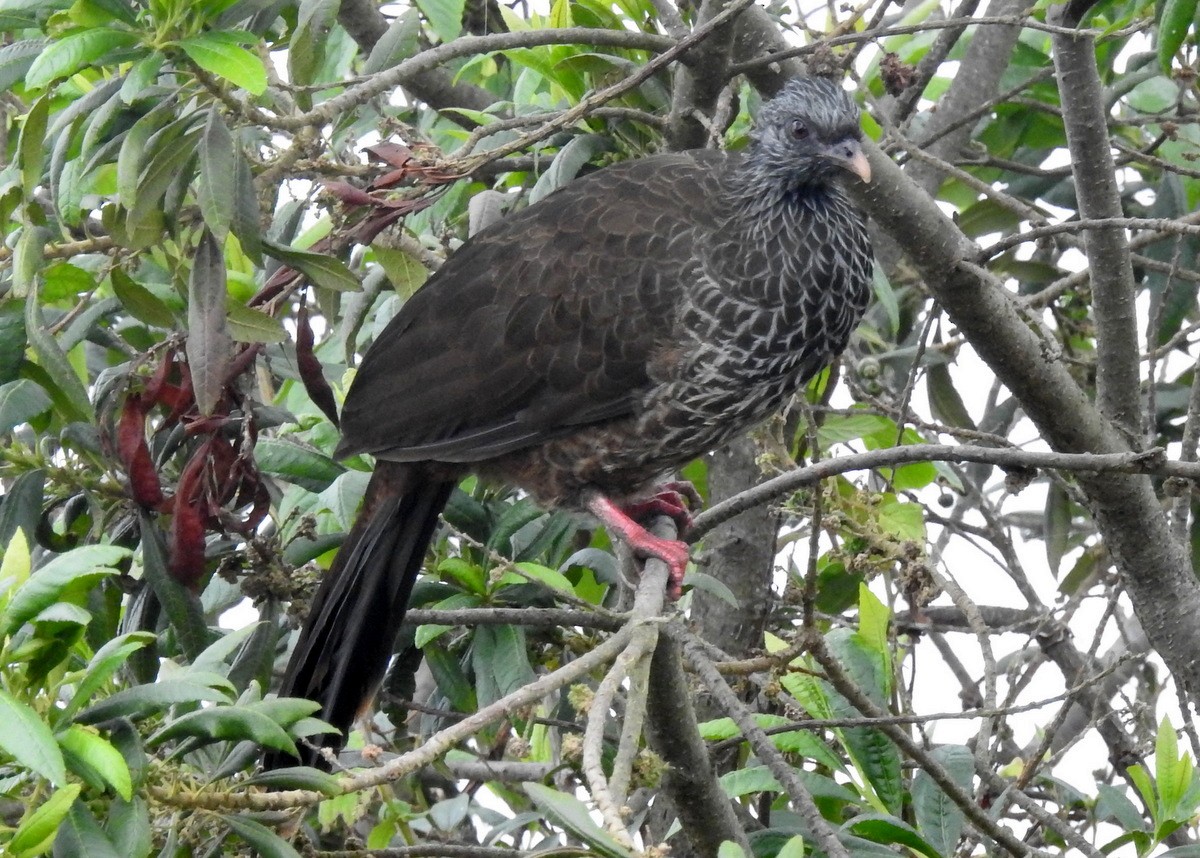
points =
(642, 542)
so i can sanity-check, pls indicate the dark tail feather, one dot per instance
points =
(348, 638)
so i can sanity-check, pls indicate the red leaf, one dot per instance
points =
(350, 195)
(187, 525)
(395, 154)
(311, 373)
(134, 453)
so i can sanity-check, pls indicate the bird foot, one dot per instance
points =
(675, 500)
(642, 542)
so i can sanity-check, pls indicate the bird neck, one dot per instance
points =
(762, 198)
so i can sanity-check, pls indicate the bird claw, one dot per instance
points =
(675, 500)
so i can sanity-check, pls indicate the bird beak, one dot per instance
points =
(849, 154)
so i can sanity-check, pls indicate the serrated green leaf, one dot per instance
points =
(67, 577)
(939, 819)
(226, 723)
(97, 753)
(38, 829)
(104, 663)
(81, 834)
(901, 519)
(214, 180)
(28, 740)
(209, 346)
(71, 53)
(17, 58)
(222, 54)
(141, 701)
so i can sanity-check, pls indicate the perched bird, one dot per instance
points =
(586, 347)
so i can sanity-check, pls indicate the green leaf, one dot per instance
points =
(28, 740)
(248, 325)
(322, 270)
(16, 59)
(91, 751)
(1177, 17)
(209, 346)
(730, 849)
(12, 339)
(568, 162)
(1173, 773)
(227, 723)
(306, 52)
(32, 148)
(944, 399)
(299, 777)
(182, 607)
(1057, 518)
(262, 839)
(888, 830)
(71, 53)
(170, 154)
(873, 621)
(128, 827)
(1112, 803)
(501, 662)
(66, 578)
(142, 701)
(53, 359)
(901, 519)
(20, 402)
(15, 567)
(573, 815)
(296, 464)
(444, 17)
(142, 304)
(222, 54)
(106, 661)
(400, 42)
(33, 835)
(938, 818)
(552, 578)
(215, 190)
(794, 848)
(81, 834)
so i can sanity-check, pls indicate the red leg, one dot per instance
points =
(645, 544)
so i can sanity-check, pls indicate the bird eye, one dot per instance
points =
(798, 130)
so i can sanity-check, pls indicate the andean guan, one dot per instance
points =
(585, 348)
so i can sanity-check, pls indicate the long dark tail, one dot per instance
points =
(348, 638)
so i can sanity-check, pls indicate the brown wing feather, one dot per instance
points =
(536, 325)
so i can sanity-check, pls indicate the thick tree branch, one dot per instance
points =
(1118, 390)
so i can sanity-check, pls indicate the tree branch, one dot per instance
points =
(1118, 390)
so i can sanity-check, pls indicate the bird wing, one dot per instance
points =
(556, 317)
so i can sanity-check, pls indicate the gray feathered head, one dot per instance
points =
(808, 134)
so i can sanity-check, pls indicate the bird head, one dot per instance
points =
(809, 134)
